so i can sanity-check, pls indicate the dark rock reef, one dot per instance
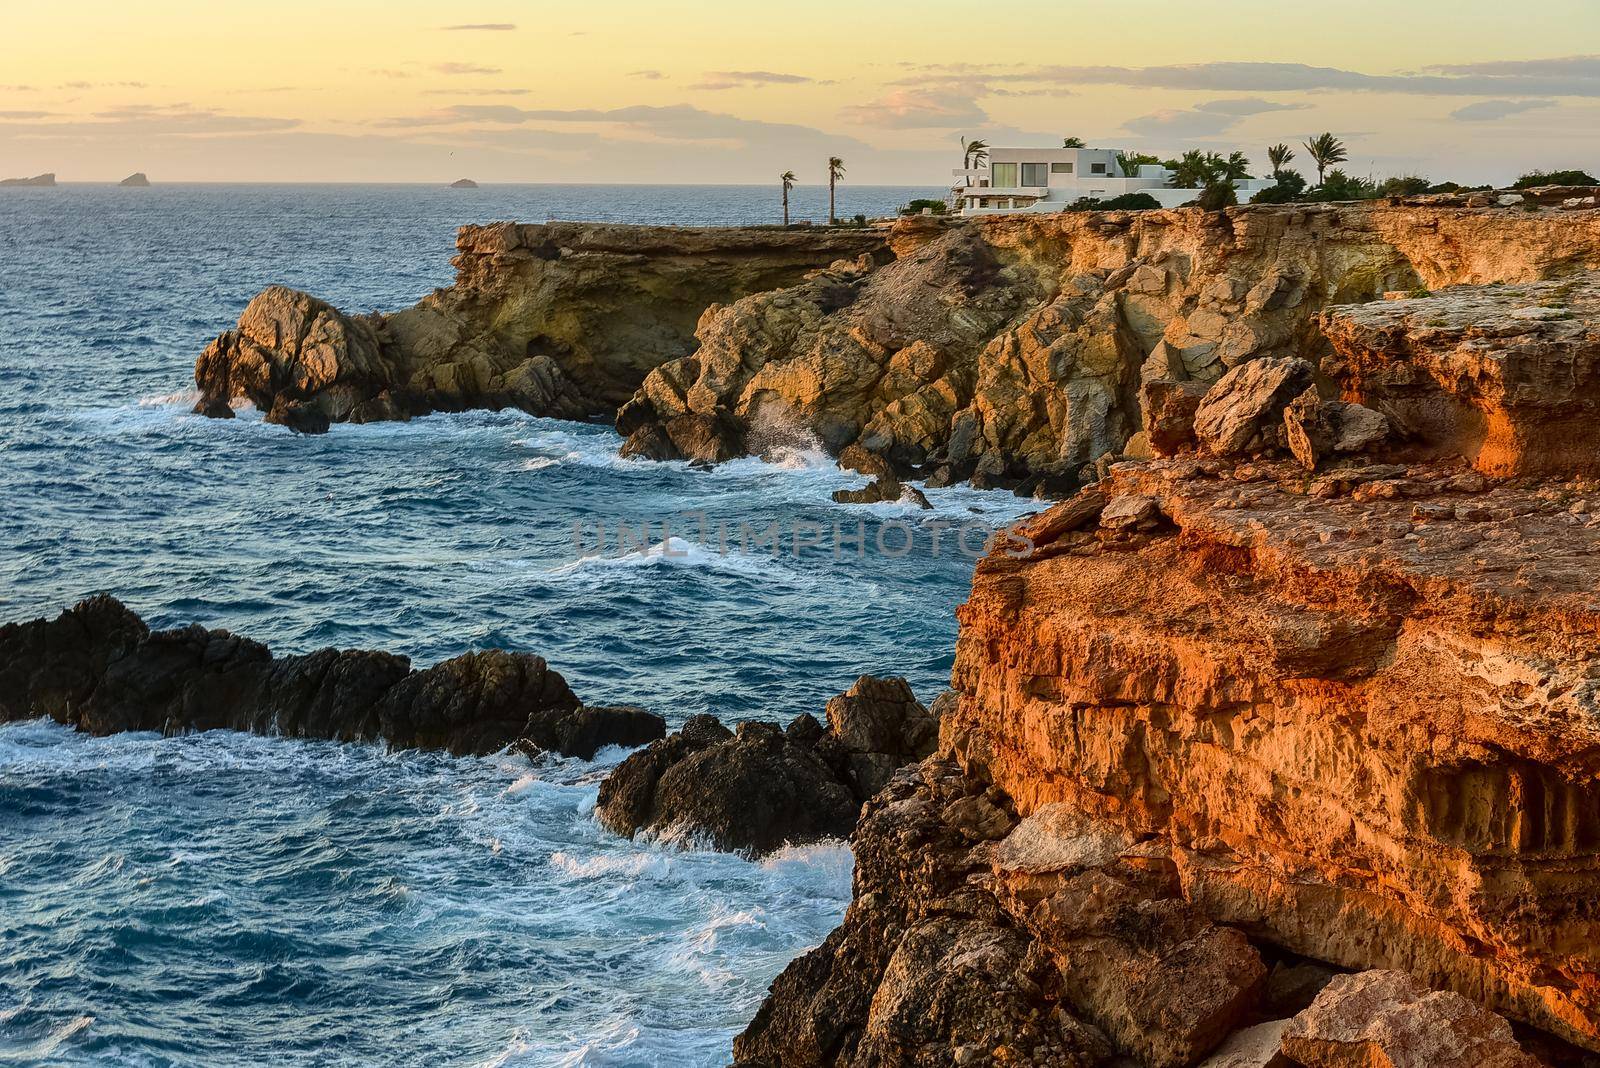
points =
(761, 786)
(97, 667)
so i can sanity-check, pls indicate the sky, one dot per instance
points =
(738, 92)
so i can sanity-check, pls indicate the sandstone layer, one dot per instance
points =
(1009, 349)
(97, 667)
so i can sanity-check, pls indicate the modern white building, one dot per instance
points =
(1052, 179)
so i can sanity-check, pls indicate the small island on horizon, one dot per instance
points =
(463, 183)
(136, 180)
(40, 180)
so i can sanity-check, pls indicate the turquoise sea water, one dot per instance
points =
(223, 899)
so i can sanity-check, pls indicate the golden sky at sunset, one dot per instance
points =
(630, 91)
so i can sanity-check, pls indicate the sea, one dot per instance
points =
(223, 899)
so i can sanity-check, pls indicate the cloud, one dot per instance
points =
(749, 79)
(1490, 110)
(1243, 107)
(481, 26)
(1560, 66)
(151, 121)
(647, 75)
(1181, 124)
(464, 68)
(1571, 76)
(919, 109)
(476, 92)
(644, 122)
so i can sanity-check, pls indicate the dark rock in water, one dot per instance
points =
(754, 791)
(880, 489)
(764, 787)
(39, 180)
(463, 183)
(136, 180)
(98, 668)
(584, 731)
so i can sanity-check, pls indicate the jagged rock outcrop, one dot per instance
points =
(1055, 942)
(561, 319)
(763, 786)
(1009, 350)
(98, 668)
(1506, 375)
(1359, 708)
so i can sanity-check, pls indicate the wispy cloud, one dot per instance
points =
(919, 109)
(749, 79)
(647, 75)
(150, 121)
(1490, 110)
(464, 68)
(1568, 76)
(1243, 107)
(497, 26)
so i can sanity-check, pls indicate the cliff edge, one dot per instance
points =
(1008, 350)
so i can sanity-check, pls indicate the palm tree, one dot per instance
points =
(787, 178)
(1279, 156)
(835, 172)
(1072, 142)
(974, 154)
(1236, 168)
(1195, 169)
(1326, 150)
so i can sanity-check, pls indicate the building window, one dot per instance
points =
(1060, 168)
(1097, 168)
(1035, 174)
(1004, 175)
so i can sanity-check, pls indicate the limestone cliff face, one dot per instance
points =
(1366, 724)
(1009, 350)
(563, 319)
(1317, 690)
(1014, 347)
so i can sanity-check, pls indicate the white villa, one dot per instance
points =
(1052, 179)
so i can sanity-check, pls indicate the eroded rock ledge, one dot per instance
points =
(1009, 350)
(97, 667)
(1316, 693)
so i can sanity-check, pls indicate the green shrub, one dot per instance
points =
(1408, 185)
(1125, 202)
(1218, 195)
(938, 207)
(1290, 188)
(1537, 178)
(1341, 186)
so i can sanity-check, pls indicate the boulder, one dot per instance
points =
(753, 792)
(1260, 1046)
(1386, 1019)
(762, 787)
(1241, 413)
(1168, 408)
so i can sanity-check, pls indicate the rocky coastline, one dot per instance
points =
(1009, 351)
(1275, 742)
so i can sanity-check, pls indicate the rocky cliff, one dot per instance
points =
(1010, 350)
(1314, 693)
(563, 319)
